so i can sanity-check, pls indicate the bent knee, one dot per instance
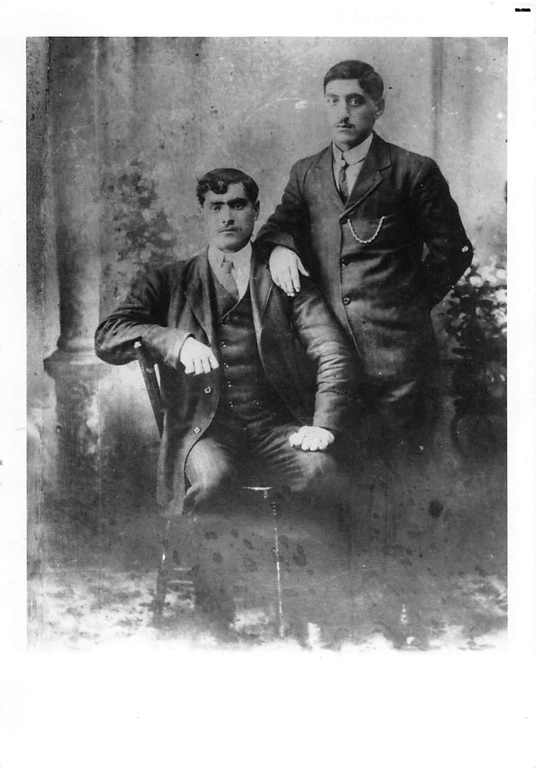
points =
(318, 473)
(210, 484)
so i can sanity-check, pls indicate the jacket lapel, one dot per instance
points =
(376, 161)
(324, 171)
(199, 299)
(198, 294)
(261, 286)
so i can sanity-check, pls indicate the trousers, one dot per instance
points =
(219, 459)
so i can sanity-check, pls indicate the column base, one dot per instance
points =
(77, 376)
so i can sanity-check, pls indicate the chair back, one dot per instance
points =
(151, 382)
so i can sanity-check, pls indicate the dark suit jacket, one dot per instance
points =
(302, 349)
(382, 295)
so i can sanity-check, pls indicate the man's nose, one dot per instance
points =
(227, 214)
(342, 110)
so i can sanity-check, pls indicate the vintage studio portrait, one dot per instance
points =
(267, 342)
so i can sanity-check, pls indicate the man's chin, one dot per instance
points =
(341, 136)
(231, 245)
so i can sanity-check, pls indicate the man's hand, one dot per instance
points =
(197, 358)
(285, 268)
(311, 438)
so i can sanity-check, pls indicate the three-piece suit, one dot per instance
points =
(283, 363)
(383, 260)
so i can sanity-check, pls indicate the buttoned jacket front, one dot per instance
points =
(302, 349)
(408, 243)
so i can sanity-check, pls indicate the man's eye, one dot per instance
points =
(355, 102)
(238, 206)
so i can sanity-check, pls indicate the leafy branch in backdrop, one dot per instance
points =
(142, 234)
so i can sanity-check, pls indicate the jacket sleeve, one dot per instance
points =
(289, 224)
(437, 217)
(337, 372)
(141, 317)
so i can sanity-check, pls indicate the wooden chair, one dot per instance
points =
(171, 575)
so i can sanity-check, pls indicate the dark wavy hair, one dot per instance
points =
(351, 69)
(219, 179)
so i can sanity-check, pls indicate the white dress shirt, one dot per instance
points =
(241, 261)
(354, 157)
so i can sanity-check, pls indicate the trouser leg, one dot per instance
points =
(214, 464)
(403, 416)
(210, 469)
(401, 446)
(314, 475)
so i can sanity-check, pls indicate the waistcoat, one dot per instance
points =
(246, 395)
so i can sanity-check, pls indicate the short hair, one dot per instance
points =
(351, 69)
(219, 179)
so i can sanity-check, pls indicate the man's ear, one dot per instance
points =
(256, 208)
(380, 106)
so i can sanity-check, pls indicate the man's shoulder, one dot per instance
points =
(186, 262)
(401, 155)
(175, 270)
(303, 165)
(179, 264)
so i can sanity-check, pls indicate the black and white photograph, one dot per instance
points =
(274, 264)
(268, 386)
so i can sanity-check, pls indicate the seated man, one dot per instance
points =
(245, 369)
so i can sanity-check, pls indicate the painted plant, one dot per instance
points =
(141, 233)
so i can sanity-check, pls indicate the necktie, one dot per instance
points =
(343, 183)
(228, 280)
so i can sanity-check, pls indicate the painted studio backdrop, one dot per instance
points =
(119, 129)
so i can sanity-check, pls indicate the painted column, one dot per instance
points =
(75, 155)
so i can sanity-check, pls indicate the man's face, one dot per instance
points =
(230, 218)
(351, 112)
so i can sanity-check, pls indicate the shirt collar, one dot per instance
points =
(354, 155)
(217, 256)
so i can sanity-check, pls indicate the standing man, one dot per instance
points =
(376, 228)
(245, 370)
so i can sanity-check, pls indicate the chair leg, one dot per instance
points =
(172, 577)
(274, 507)
(268, 496)
(162, 574)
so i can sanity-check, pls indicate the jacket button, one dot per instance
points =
(197, 430)
(208, 390)
(346, 300)
(344, 262)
